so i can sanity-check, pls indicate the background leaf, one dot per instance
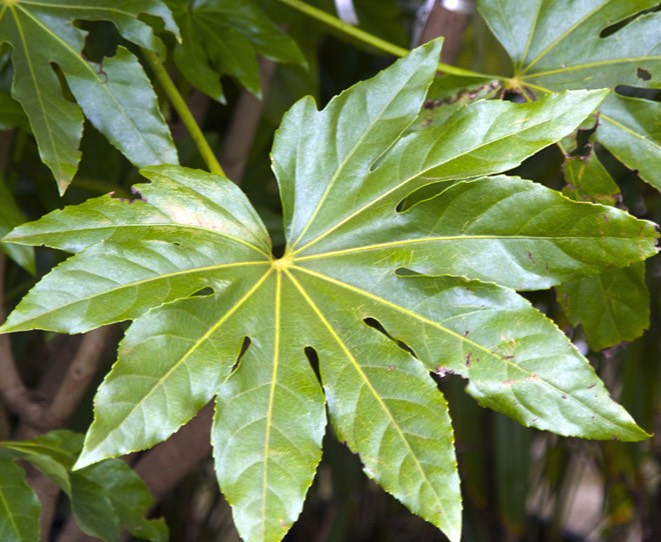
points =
(19, 506)
(101, 90)
(104, 497)
(10, 217)
(613, 307)
(620, 46)
(222, 37)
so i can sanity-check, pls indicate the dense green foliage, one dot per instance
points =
(406, 243)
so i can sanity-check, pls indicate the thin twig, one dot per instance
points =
(82, 370)
(13, 392)
(245, 121)
(371, 39)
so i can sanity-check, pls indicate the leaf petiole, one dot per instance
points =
(370, 39)
(184, 112)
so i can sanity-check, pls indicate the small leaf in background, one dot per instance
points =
(10, 217)
(19, 505)
(588, 180)
(612, 307)
(224, 37)
(104, 497)
(47, 55)
(620, 45)
(130, 499)
(378, 292)
(11, 113)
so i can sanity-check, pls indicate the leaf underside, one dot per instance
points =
(383, 294)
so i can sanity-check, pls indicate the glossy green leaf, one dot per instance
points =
(378, 294)
(93, 509)
(612, 307)
(104, 497)
(42, 36)
(631, 131)
(128, 496)
(588, 180)
(10, 217)
(11, 113)
(541, 38)
(19, 505)
(225, 37)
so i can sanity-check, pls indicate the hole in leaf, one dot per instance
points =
(609, 30)
(643, 74)
(244, 348)
(583, 143)
(128, 196)
(653, 94)
(375, 324)
(406, 272)
(313, 359)
(101, 40)
(208, 290)
(66, 90)
(422, 195)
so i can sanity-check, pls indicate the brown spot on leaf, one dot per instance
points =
(643, 74)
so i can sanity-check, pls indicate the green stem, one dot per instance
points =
(371, 39)
(184, 113)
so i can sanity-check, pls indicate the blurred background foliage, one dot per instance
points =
(518, 484)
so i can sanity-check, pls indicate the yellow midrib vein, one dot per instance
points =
(370, 387)
(269, 411)
(189, 353)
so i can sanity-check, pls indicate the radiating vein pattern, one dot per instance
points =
(384, 405)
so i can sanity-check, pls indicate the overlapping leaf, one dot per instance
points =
(103, 497)
(382, 293)
(612, 306)
(10, 217)
(115, 96)
(19, 505)
(225, 37)
(591, 44)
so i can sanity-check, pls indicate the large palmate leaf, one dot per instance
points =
(104, 496)
(541, 38)
(225, 37)
(115, 96)
(380, 294)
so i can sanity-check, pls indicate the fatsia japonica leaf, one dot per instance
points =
(225, 37)
(104, 497)
(10, 217)
(19, 505)
(612, 306)
(115, 96)
(380, 286)
(620, 45)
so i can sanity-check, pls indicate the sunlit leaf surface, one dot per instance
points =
(381, 293)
